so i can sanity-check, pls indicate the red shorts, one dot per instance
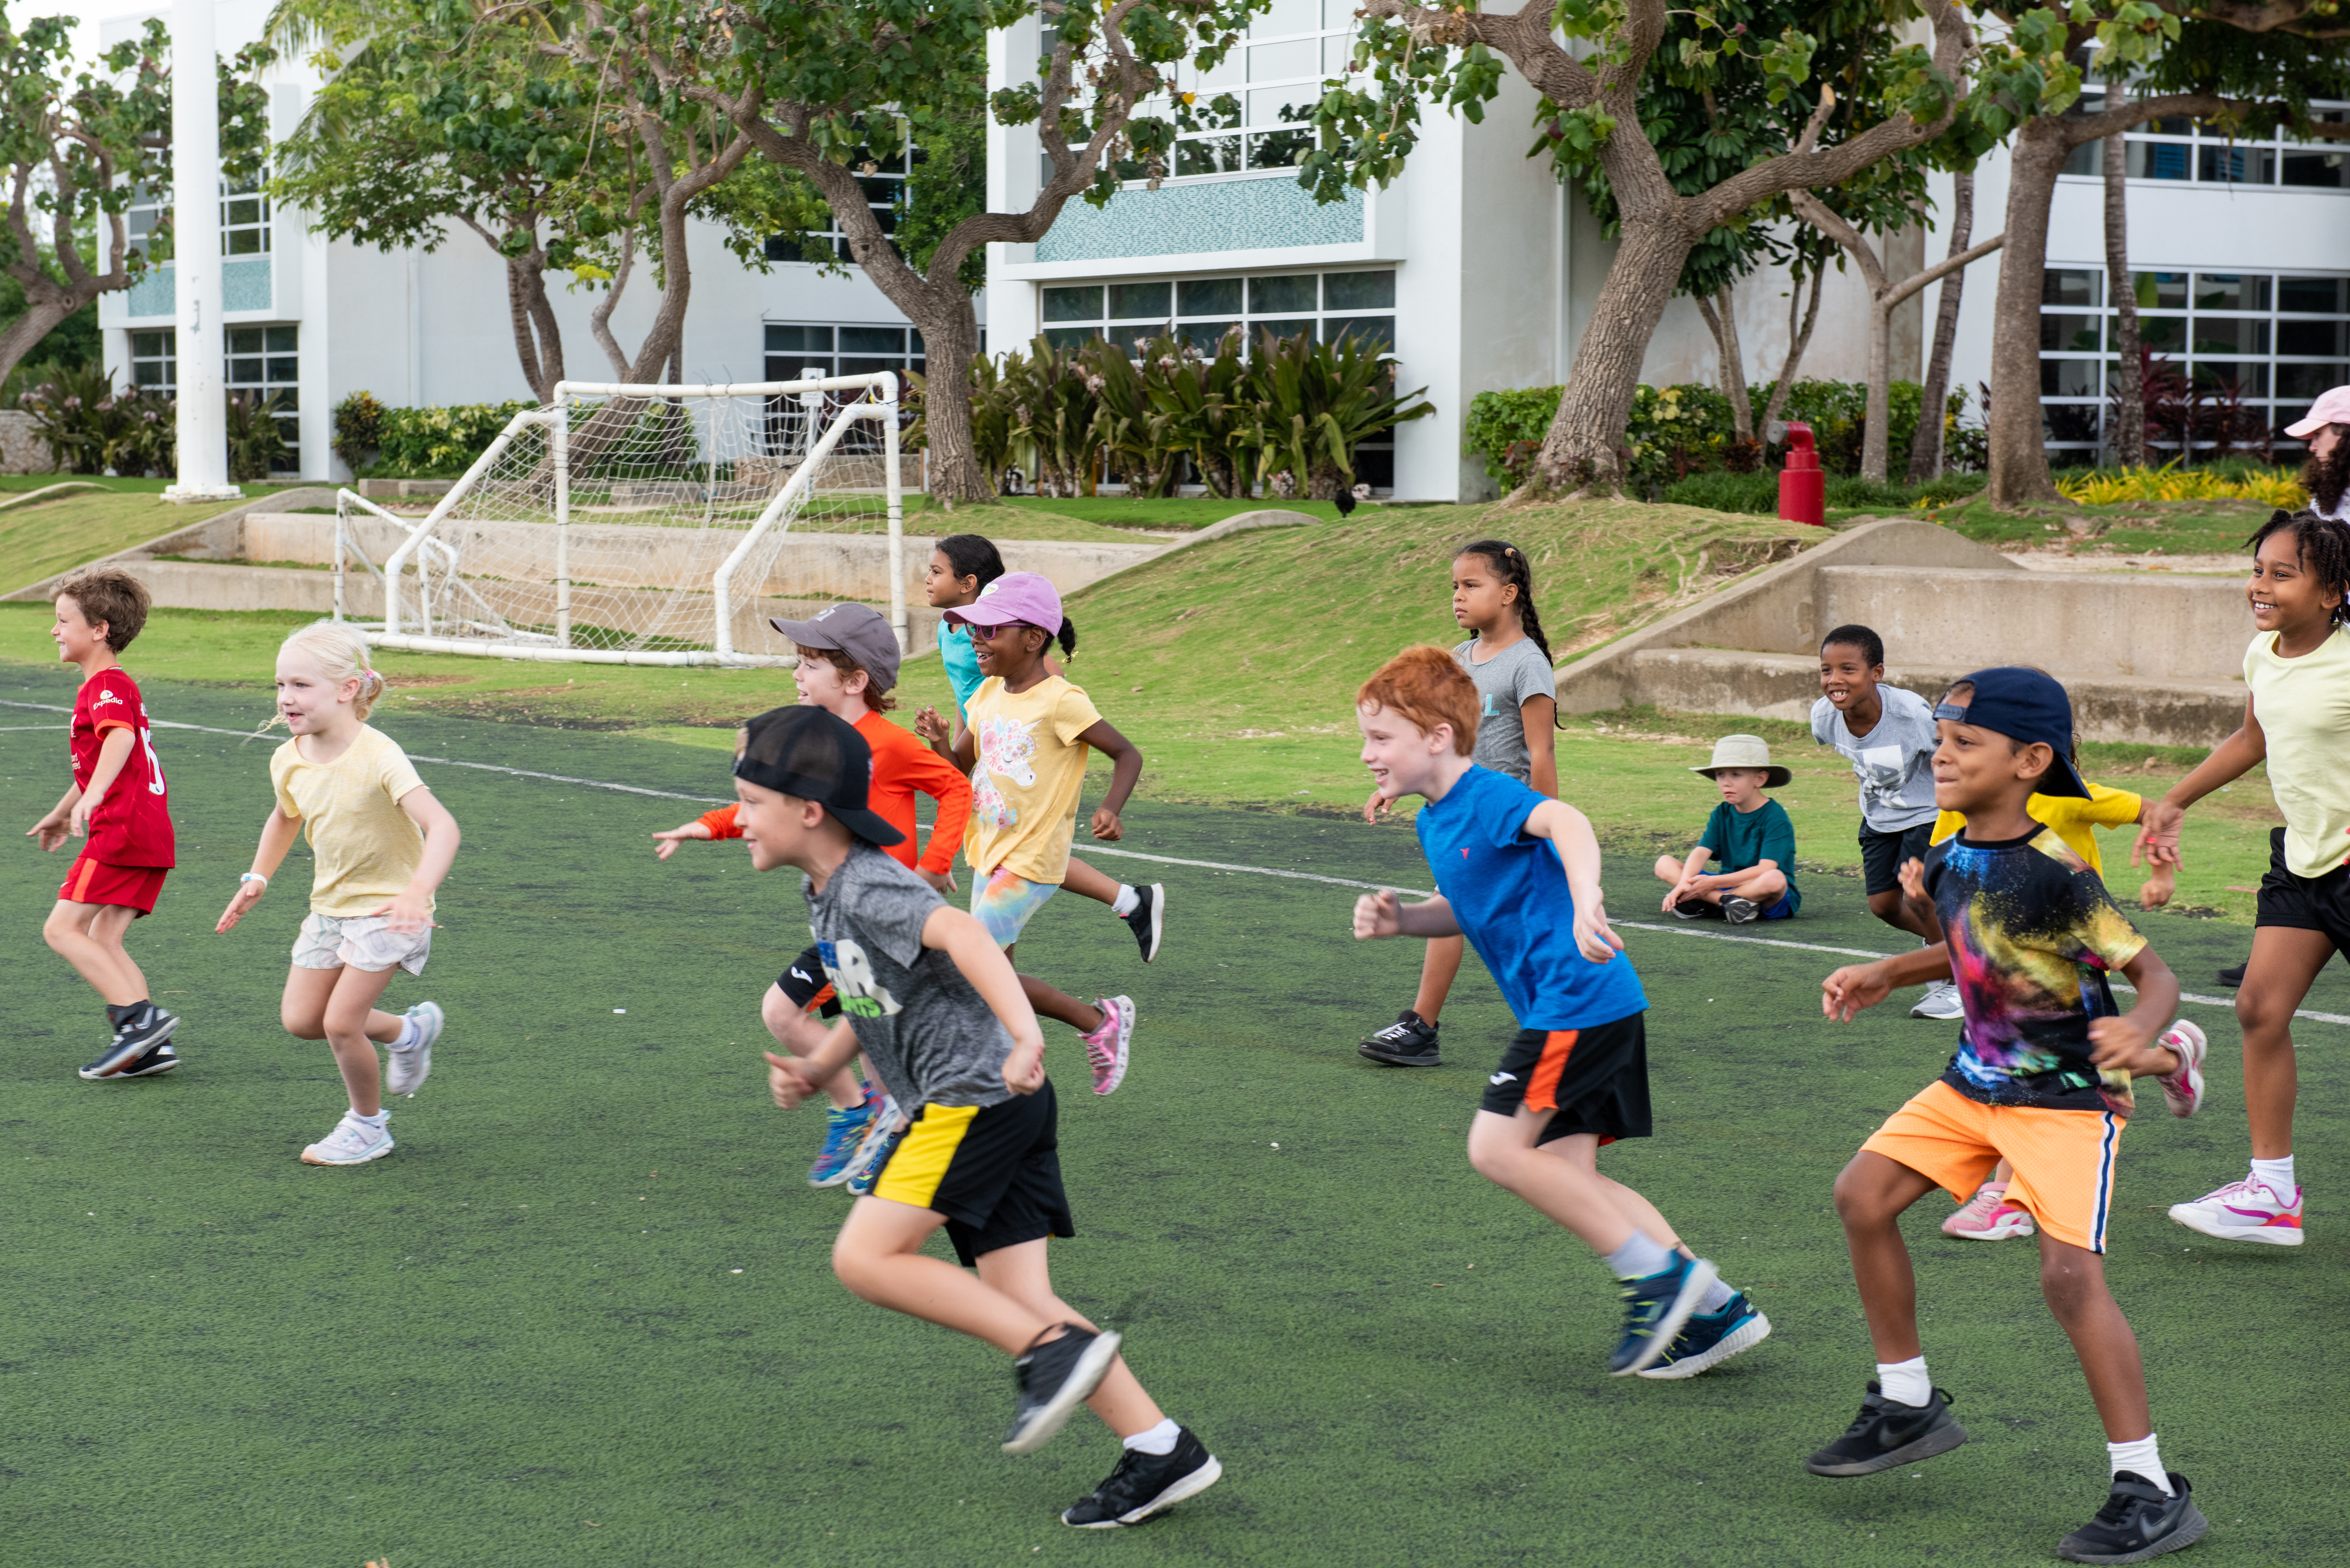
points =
(95, 882)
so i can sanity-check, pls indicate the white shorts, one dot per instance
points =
(359, 941)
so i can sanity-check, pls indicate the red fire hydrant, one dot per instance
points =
(1803, 485)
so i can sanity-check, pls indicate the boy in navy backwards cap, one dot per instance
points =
(938, 1010)
(2041, 1077)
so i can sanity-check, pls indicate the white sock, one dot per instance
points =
(410, 1035)
(1124, 904)
(2140, 1458)
(1160, 1440)
(1905, 1382)
(1717, 1296)
(2276, 1175)
(1638, 1257)
(376, 1120)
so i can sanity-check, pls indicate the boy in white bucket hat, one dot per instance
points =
(1748, 837)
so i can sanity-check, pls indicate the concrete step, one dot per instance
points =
(2159, 712)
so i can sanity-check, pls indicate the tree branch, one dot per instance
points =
(1941, 269)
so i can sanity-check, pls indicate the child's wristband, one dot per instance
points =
(244, 877)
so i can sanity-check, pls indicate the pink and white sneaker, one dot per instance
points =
(1988, 1216)
(2244, 1212)
(1106, 1047)
(2183, 1090)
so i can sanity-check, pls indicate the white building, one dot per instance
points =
(1481, 270)
(314, 320)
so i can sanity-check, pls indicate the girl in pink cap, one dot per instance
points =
(1024, 744)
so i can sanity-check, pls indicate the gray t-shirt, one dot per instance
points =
(1893, 762)
(1503, 683)
(922, 1026)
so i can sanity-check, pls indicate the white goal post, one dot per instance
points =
(645, 524)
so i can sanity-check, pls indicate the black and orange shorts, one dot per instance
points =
(1592, 1080)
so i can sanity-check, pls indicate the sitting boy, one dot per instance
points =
(1748, 837)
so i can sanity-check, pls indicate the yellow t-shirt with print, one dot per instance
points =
(2073, 818)
(1031, 768)
(367, 848)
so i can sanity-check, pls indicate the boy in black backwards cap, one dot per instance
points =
(940, 1015)
(2041, 1077)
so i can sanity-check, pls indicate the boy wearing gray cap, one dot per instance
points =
(1748, 837)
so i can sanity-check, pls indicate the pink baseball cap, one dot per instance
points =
(2331, 409)
(1027, 598)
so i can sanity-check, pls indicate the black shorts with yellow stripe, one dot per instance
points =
(995, 1172)
(1592, 1080)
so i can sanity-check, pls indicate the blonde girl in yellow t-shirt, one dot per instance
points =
(1025, 745)
(382, 844)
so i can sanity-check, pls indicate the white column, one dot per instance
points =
(196, 272)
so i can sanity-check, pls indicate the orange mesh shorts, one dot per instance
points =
(2064, 1160)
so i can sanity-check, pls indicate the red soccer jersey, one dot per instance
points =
(133, 826)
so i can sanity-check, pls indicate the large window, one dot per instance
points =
(795, 351)
(154, 361)
(245, 220)
(2182, 151)
(882, 175)
(1202, 310)
(262, 362)
(2269, 342)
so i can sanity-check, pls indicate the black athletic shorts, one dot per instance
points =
(1592, 1080)
(1882, 854)
(805, 986)
(995, 1172)
(2305, 903)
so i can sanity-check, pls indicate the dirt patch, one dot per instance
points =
(410, 682)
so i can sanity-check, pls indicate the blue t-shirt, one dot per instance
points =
(1509, 892)
(962, 660)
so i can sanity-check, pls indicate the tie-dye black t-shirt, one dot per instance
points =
(2032, 934)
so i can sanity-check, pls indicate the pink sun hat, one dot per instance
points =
(2331, 409)
(1028, 599)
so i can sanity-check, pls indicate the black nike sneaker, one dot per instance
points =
(1145, 1484)
(1149, 920)
(161, 1059)
(134, 1037)
(1887, 1434)
(1409, 1041)
(2138, 1524)
(1053, 1380)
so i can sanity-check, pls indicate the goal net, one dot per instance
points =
(644, 524)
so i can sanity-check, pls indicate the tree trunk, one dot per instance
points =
(1877, 434)
(1720, 314)
(538, 339)
(950, 343)
(1926, 446)
(1584, 445)
(2019, 452)
(1799, 343)
(2128, 441)
(25, 334)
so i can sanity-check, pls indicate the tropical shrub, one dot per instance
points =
(359, 429)
(257, 442)
(384, 442)
(92, 428)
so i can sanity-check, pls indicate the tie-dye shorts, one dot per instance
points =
(1003, 901)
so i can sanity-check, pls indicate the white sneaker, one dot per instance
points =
(353, 1142)
(2244, 1212)
(405, 1068)
(1940, 1000)
(2183, 1090)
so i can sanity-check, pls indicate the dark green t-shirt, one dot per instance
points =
(1739, 839)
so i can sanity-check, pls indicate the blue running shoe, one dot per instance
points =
(872, 1156)
(1655, 1308)
(843, 1131)
(1710, 1338)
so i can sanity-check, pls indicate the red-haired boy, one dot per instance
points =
(118, 808)
(1518, 874)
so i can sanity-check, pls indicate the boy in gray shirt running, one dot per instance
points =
(940, 1015)
(1887, 735)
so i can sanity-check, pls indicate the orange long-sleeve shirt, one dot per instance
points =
(902, 768)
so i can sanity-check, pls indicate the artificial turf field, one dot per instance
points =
(522, 1339)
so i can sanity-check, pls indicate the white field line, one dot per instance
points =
(2228, 1002)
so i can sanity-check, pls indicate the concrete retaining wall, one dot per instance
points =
(22, 450)
(2100, 624)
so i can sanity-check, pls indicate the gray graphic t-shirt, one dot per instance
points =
(1893, 762)
(922, 1026)
(1503, 683)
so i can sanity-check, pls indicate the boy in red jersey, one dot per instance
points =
(119, 808)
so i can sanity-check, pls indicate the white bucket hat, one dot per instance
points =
(1745, 752)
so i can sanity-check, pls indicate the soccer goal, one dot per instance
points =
(644, 524)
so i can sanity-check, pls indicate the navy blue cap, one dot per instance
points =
(2027, 706)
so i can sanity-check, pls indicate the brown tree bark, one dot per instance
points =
(1721, 316)
(1926, 446)
(538, 336)
(49, 301)
(2128, 400)
(1799, 343)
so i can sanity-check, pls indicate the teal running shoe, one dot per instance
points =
(1710, 1338)
(872, 1156)
(1655, 1308)
(843, 1131)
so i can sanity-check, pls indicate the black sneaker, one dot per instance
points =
(133, 1038)
(1053, 1380)
(1149, 920)
(1145, 1484)
(2138, 1523)
(1409, 1041)
(1738, 911)
(2232, 978)
(1887, 1434)
(161, 1059)
(1694, 908)
(1655, 1308)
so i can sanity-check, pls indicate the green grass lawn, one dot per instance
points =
(2131, 527)
(523, 1338)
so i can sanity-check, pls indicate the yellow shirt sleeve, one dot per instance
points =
(281, 767)
(1073, 714)
(395, 774)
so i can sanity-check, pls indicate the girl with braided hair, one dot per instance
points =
(1508, 658)
(2297, 721)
